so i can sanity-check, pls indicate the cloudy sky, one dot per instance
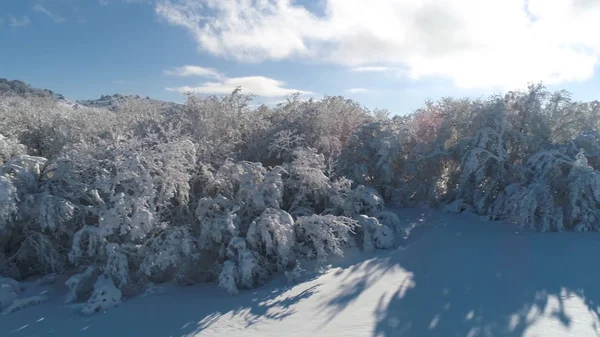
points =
(390, 54)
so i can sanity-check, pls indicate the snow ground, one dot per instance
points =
(454, 276)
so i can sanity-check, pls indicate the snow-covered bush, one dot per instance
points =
(216, 124)
(35, 220)
(250, 185)
(8, 202)
(272, 236)
(105, 296)
(308, 190)
(243, 267)
(170, 254)
(529, 205)
(295, 274)
(247, 187)
(218, 221)
(45, 127)
(228, 278)
(130, 184)
(48, 211)
(391, 220)
(319, 235)
(374, 234)
(10, 148)
(375, 156)
(307, 186)
(362, 200)
(117, 265)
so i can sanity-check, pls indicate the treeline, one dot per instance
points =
(215, 190)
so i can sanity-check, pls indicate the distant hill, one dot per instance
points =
(20, 88)
(113, 102)
(110, 102)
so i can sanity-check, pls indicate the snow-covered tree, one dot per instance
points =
(484, 161)
(529, 205)
(584, 196)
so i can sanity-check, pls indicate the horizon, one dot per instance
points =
(395, 55)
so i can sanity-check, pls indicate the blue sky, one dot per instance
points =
(390, 54)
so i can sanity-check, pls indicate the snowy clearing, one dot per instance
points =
(454, 276)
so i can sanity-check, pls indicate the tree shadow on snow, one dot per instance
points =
(273, 306)
(474, 278)
(253, 306)
(183, 312)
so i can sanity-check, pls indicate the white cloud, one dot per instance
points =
(220, 84)
(256, 85)
(477, 44)
(110, 2)
(41, 9)
(372, 69)
(357, 90)
(187, 71)
(246, 30)
(17, 23)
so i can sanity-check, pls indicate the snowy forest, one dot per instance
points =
(223, 190)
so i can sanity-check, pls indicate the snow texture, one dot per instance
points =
(22, 303)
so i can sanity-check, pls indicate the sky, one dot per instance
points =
(392, 54)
